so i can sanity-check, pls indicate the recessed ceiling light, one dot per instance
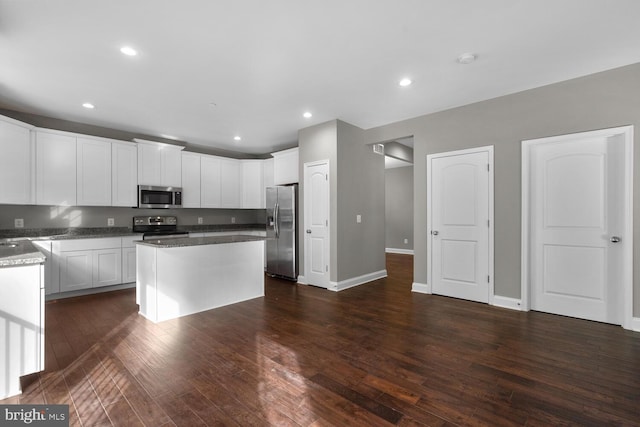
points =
(237, 138)
(466, 58)
(307, 115)
(405, 82)
(88, 105)
(128, 50)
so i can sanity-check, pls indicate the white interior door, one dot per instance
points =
(576, 217)
(460, 212)
(316, 223)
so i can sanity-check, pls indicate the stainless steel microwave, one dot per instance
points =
(152, 197)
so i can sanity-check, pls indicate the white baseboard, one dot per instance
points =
(89, 291)
(355, 281)
(399, 251)
(506, 302)
(635, 324)
(302, 280)
(421, 288)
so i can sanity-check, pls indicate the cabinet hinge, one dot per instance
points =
(326, 177)
(488, 279)
(488, 223)
(487, 167)
(326, 222)
(326, 268)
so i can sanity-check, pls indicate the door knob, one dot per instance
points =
(309, 231)
(434, 232)
(614, 239)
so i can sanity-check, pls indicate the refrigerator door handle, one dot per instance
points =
(276, 215)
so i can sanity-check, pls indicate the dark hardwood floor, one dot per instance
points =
(373, 355)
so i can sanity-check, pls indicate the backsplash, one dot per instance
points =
(96, 216)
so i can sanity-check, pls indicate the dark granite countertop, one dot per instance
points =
(97, 232)
(23, 252)
(199, 241)
(220, 228)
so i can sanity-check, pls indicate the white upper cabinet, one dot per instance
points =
(191, 180)
(159, 164)
(148, 164)
(285, 167)
(124, 174)
(56, 168)
(252, 184)
(93, 163)
(171, 168)
(210, 182)
(17, 163)
(230, 183)
(267, 173)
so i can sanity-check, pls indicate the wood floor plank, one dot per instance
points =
(372, 355)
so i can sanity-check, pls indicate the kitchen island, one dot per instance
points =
(178, 277)
(21, 314)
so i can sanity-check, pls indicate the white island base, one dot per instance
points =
(175, 280)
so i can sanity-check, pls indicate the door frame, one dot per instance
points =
(489, 150)
(306, 260)
(627, 198)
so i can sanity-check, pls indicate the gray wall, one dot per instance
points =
(360, 192)
(399, 207)
(598, 101)
(356, 177)
(94, 216)
(316, 143)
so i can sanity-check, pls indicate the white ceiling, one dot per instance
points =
(264, 63)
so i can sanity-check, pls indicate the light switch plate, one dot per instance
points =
(358, 219)
(406, 241)
(233, 220)
(18, 223)
(199, 220)
(110, 222)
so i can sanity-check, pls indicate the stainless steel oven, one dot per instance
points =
(157, 227)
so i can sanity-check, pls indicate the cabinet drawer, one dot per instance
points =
(89, 244)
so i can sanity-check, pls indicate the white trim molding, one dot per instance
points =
(506, 302)
(302, 280)
(399, 251)
(355, 281)
(635, 324)
(421, 288)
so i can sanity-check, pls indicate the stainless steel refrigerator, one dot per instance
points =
(282, 221)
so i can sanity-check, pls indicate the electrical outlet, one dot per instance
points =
(406, 241)
(18, 223)
(110, 222)
(199, 220)
(358, 219)
(233, 220)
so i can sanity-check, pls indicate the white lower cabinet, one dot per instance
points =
(107, 267)
(129, 258)
(88, 263)
(76, 270)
